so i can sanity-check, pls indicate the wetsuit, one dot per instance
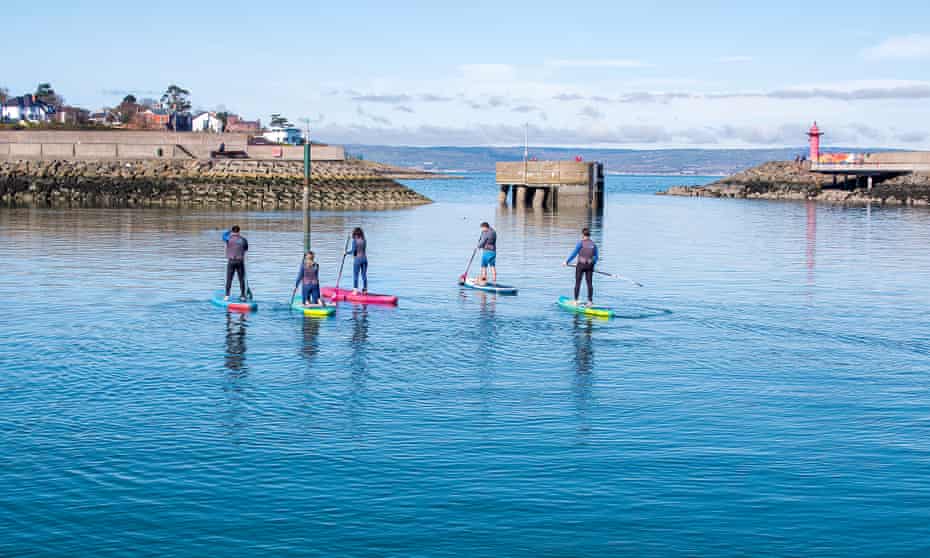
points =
(309, 277)
(586, 251)
(359, 262)
(488, 244)
(236, 247)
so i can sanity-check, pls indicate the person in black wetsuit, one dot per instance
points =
(586, 252)
(359, 260)
(236, 247)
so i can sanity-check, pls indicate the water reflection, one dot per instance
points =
(310, 327)
(359, 340)
(236, 324)
(582, 382)
(811, 238)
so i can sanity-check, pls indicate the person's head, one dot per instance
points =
(586, 233)
(485, 226)
(235, 228)
(309, 258)
(358, 233)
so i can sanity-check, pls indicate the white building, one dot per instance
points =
(26, 108)
(290, 136)
(207, 122)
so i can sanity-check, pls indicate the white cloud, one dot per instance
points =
(903, 47)
(596, 63)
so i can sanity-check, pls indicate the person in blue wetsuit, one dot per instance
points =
(487, 243)
(308, 277)
(586, 252)
(236, 247)
(359, 260)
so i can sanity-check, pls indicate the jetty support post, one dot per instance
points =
(869, 182)
(502, 195)
(539, 198)
(519, 197)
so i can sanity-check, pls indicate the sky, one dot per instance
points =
(707, 74)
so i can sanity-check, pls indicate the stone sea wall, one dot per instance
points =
(213, 184)
(792, 181)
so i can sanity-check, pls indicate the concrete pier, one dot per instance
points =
(548, 184)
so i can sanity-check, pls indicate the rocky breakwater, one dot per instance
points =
(792, 181)
(216, 184)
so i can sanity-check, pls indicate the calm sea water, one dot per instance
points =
(766, 393)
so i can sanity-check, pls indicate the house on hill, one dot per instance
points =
(207, 122)
(285, 135)
(235, 124)
(26, 108)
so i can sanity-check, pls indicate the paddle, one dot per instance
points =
(614, 276)
(464, 276)
(341, 264)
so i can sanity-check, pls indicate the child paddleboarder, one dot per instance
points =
(586, 252)
(236, 247)
(308, 277)
(359, 260)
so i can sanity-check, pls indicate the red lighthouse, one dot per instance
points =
(814, 135)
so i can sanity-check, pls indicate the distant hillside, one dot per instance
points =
(633, 161)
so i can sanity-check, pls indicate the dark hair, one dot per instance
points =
(585, 232)
(235, 228)
(485, 224)
(357, 233)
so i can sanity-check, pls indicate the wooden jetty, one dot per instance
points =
(550, 184)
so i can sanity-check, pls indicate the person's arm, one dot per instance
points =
(482, 239)
(595, 254)
(226, 236)
(574, 253)
(245, 245)
(300, 276)
(351, 248)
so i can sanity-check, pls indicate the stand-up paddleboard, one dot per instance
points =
(317, 311)
(599, 311)
(496, 288)
(332, 293)
(233, 304)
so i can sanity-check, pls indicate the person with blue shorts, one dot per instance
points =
(488, 246)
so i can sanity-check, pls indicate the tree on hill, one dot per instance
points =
(177, 100)
(46, 94)
(278, 121)
(128, 109)
(4, 94)
(223, 117)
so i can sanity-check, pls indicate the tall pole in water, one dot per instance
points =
(307, 189)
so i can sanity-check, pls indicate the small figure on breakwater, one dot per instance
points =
(236, 247)
(586, 252)
(359, 260)
(308, 277)
(487, 243)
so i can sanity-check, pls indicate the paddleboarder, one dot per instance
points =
(236, 247)
(586, 252)
(487, 243)
(308, 277)
(359, 260)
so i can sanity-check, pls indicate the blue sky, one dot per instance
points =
(645, 74)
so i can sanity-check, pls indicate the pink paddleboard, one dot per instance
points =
(346, 295)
